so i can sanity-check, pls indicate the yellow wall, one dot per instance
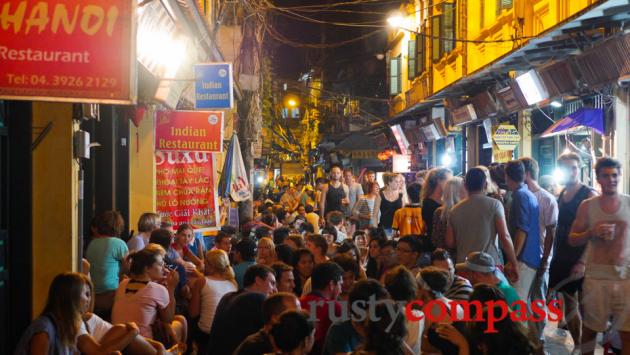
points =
(538, 16)
(55, 199)
(141, 168)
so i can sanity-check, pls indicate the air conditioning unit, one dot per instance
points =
(463, 115)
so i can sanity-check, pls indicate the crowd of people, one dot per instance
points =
(352, 267)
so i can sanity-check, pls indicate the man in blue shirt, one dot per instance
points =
(524, 228)
(244, 257)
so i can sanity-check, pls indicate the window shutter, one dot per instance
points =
(411, 59)
(448, 26)
(503, 5)
(420, 50)
(436, 44)
(394, 81)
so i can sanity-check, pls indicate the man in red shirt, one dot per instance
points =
(326, 281)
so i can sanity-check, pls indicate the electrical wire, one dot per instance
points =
(347, 3)
(283, 39)
(384, 28)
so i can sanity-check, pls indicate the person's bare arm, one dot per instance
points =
(519, 241)
(580, 233)
(377, 208)
(550, 235)
(196, 282)
(89, 346)
(194, 259)
(167, 313)
(322, 202)
(449, 238)
(39, 344)
(508, 248)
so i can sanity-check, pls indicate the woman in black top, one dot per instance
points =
(432, 195)
(388, 202)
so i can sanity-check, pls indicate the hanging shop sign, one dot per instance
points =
(506, 137)
(185, 187)
(213, 86)
(73, 51)
(198, 131)
(502, 156)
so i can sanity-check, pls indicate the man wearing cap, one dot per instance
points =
(482, 270)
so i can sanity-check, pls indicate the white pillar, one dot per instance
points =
(525, 129)
(621, 145)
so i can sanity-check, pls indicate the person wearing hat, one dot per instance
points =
(308, 196)
(482, 269)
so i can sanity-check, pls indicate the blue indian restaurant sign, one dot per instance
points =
(213, 86)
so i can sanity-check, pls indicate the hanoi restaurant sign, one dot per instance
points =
(71, 50)
(198, 131)
(213, 86)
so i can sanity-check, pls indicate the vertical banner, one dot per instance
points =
(186, 190)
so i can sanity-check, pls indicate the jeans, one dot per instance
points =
(539, 292)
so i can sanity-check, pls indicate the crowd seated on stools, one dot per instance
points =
(274, 287)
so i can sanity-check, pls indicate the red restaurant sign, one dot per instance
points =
(185, 187)
(68, 50)
(198, 131)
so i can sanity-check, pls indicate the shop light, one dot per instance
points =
(401, 163)
(556, 104)
(559, 176)
(447, 160)
(396, 21)
(260, 179)
(166, 50)
(532, 87)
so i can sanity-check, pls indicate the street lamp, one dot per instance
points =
(396, 21)
(292, 103)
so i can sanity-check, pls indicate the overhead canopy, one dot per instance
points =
(358, 141)
(583, 117)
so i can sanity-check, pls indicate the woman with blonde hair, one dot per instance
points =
(220, 280)
(388, 202)
(492, 189)
(147, 223)
(454, 192)
(432, 194)
(266, 252)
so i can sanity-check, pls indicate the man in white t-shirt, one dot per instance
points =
(548, 208)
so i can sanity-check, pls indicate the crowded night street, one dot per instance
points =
(314, 177)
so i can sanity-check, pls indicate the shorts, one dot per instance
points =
(602, 299)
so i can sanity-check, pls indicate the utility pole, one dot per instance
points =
(249, 108)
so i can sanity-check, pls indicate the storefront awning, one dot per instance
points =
(583, 117)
